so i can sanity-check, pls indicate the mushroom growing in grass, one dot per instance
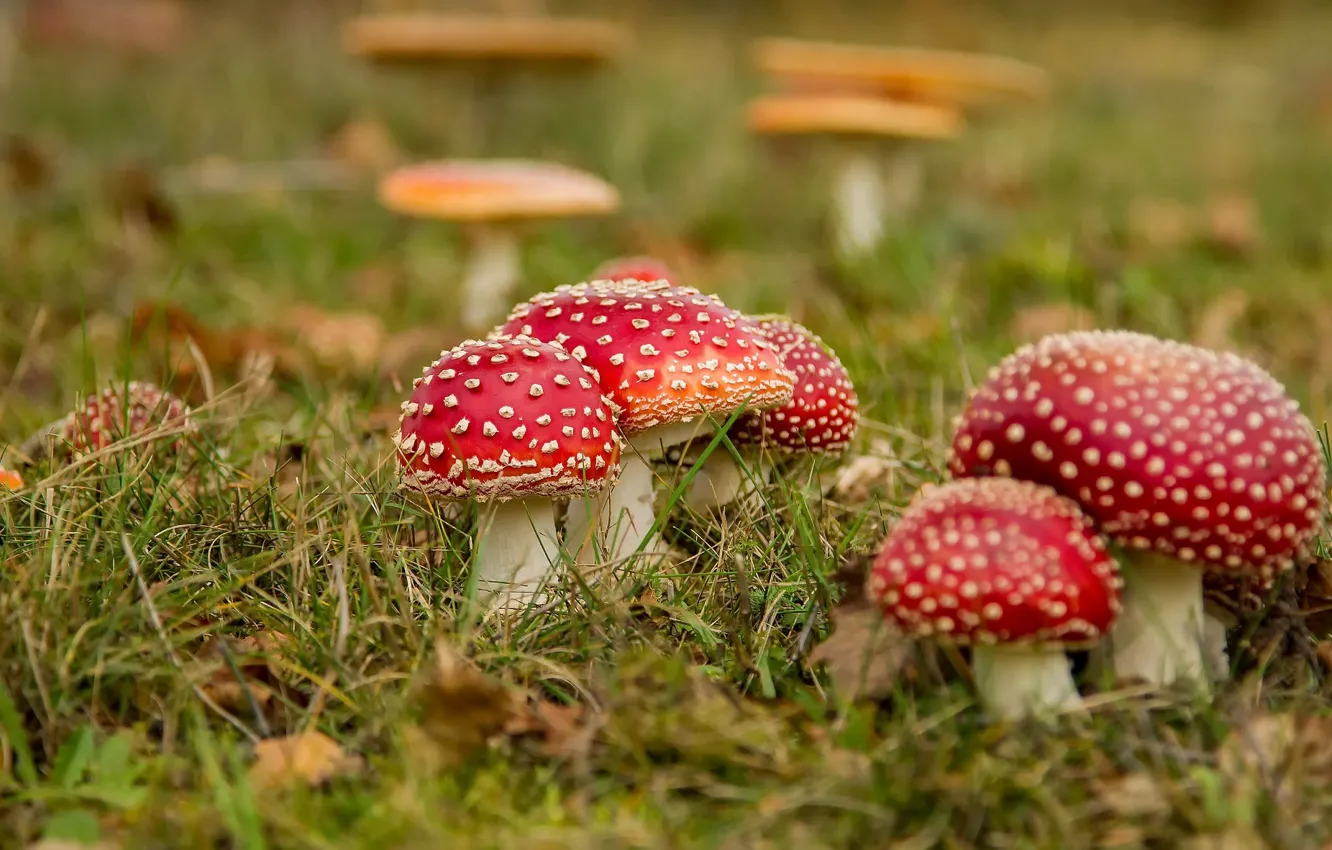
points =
(819, 420)
(868, 189)
(1190, 460)
(1009, 568)
(670, 357)
(1228, 600)
(491, 198)
(512, 424)
(132, 410)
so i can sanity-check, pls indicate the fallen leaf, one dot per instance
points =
(462, 707)
(1233, 225)
(866, 657)
(1134, 795)
(306, 758)
(1280, 752)
(1031, 323)
(1215, 327)
(27, 167)
(859, 479)
(349, 341)
(188, 345)
(152, 26)
(365, 146)
(562, 730)
(255, 658)
(139, 200)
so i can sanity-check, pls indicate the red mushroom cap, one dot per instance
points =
(994, 560)
(665, 353)
(506, 418)
(1170, 447)
(646, 269)
(122, 411)
(823, 413)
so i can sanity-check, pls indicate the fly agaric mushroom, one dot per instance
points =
(913, 74)
(646, 269)
(669, 356)
(10, 480)
(1190, 460)
(820, 418)
(512, 424)
(490, 197)
(864, 197)
(119, 412)
(1009, 568)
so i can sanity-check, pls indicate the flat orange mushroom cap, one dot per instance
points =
(493, 190)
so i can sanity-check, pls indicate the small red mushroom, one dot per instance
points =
(645, 269)
(1009, 568)
(669, 357)
(510, 423)
(820, 419)
(119, 412)
(1190, 459)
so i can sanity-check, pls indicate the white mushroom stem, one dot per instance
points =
(618, 522)
(1022, 680)
(515, 550)
(493, 267)
(869, 190)
(1159, 635)
(1215, 653)
(720, 481)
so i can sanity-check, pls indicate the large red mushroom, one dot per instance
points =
(670, 357)
(1009, 568)
(819, 420)
(513, 424)
(1190, 460)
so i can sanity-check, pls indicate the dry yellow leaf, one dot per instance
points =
(1233, 223)
(308, 758)
(1215, 327)
(352, 340)
(1134, 795)
(365, 146)
(865, 656)
(462, 706)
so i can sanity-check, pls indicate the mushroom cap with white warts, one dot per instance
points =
(495, 190)
(994, 560)
(823, 413)
(507, 418)
(122, 411)
(1193, 454)
(665, 353)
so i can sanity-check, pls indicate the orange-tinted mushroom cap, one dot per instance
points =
(492, 190)
(852, 115)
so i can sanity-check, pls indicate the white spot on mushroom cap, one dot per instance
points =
(1003, 560)
(1206, 456)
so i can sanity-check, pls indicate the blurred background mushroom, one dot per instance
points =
(491, 199)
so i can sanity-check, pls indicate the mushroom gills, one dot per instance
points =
(1159, 637)
(619, 520)
(493, 266)
(516, 550)
(1023, 680)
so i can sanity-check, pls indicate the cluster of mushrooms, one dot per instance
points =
(1107, 486)
(580, 391)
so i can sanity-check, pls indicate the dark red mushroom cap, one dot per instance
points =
(823, 412)
(122, 411)
(994, 560)
(665, 353)
(1191, 453)
(646, 269)
(507, 418)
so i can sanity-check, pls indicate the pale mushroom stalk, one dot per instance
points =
(622, 517)
(516, 549)
(869, 191)
(1015, 680)
(719, 480)
(493, 268)
(1159, 635)
(1216, 655)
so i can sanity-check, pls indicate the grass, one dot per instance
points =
(135, 583)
